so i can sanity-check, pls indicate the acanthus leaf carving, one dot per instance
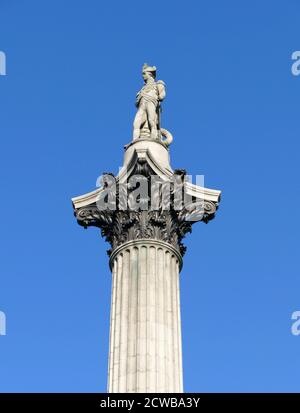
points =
(168, 221)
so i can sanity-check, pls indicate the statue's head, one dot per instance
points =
(148, 71)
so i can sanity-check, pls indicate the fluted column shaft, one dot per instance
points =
(145, 331)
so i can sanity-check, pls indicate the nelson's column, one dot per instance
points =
(144, 213)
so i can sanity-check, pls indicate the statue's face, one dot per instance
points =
(146, 75)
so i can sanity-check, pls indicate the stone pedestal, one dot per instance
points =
(145, 330)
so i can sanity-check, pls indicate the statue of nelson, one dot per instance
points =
(148, 101)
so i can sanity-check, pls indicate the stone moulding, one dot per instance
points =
(156, 155)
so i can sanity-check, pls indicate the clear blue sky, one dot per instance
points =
(66, 108)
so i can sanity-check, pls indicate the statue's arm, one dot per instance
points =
(161, 90)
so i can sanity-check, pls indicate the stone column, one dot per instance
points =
(146, 249)
(145, 330)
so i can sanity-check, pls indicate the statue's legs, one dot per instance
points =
(146, 114)
(139, 121)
